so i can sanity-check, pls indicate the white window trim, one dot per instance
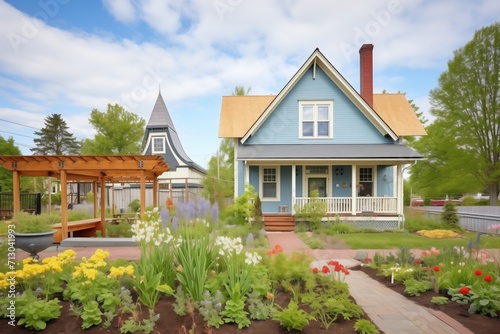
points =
(153, 138)
(374, 178)
(330, 119)
(261, 185)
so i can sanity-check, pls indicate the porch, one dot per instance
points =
(354, 206)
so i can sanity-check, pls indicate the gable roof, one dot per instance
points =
(239, 113)
(397, 112)
(318, 59)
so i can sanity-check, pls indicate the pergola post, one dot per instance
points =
(16, 189)
(64, 204)
(155, 192)
(95, 198)
(143, 193)
(103, 207)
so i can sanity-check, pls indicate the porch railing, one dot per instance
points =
(339, 205)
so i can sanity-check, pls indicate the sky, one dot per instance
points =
(69, 57)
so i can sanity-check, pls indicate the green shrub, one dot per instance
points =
(363, 326)
(30, 223)
(342, 228)
(135, 205)
(78, 215)
(122, 229)
(469, 201)
(415, 222)
(449, 216)
(312, 212)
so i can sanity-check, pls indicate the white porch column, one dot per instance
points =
(294, 185)
(400, 202)
(354, 189)
(247, 172)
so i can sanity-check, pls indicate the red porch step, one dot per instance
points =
(279, 222)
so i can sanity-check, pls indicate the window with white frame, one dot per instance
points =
(158, 145)
(316, 119)
(270, 179)
(366, 181)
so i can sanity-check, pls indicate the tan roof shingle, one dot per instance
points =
(397, 112)
(239, 113)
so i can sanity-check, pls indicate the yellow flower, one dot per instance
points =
(179, 268)
(129, 270)
(116, 272)
(90, 273)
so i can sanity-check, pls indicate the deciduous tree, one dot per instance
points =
(219, 183)
(7, 147)
(464, 142)
(118, 132)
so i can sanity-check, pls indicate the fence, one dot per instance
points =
(472, 218)
(29, 202)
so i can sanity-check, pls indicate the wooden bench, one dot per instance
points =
(78, 228)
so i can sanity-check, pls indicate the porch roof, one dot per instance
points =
(328, 152)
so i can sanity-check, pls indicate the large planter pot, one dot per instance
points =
(34, 242)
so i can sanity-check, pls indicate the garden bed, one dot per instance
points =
(477, 323)
(170, 322)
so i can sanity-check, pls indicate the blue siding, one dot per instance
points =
(385, 187)
(342, 175)
(298, 181)
(254, 178)
(350, 125)
(286, 186)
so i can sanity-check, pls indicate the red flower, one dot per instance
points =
(436, 268)
(333, 263)
(417, 262)
(488, 278)
(464, 290)
(315, 270)
(478, 272)
(325, 270)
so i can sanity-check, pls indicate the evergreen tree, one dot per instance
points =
(54, 138)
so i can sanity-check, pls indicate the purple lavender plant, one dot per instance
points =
(165, 216)
(215, 213)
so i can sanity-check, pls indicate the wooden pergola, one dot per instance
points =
(86, 168)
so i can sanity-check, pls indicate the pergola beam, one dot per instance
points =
(97, 169)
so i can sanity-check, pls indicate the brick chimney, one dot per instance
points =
(366, 72)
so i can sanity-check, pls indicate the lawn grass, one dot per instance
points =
(388, 240)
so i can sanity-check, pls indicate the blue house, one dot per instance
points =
(319, 133)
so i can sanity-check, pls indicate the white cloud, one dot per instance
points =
(122, 10)
(198, 52)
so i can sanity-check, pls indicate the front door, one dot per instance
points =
(317, 183)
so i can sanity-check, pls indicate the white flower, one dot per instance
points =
(252, 259)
